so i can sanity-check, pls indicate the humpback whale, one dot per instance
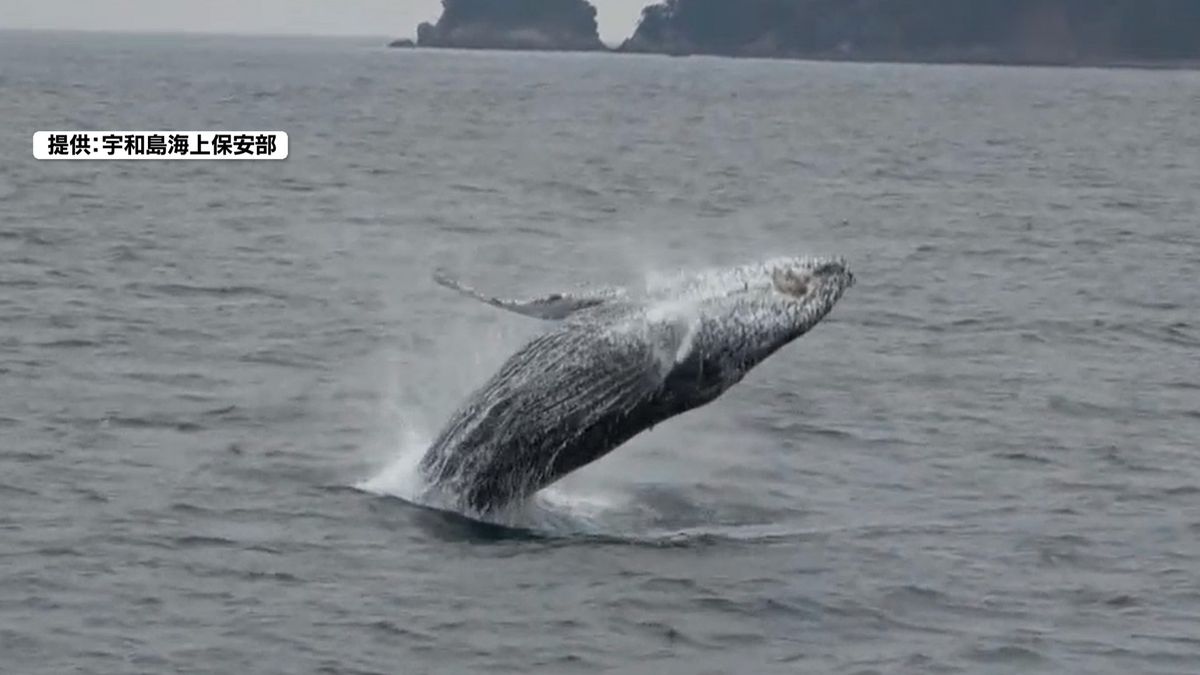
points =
(617, 362)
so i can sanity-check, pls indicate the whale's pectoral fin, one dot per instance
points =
(553, 307)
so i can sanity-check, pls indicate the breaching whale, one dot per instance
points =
(618, 362)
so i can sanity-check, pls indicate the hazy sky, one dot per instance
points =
(321, 17)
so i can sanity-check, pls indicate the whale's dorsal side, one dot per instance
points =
(553, 307)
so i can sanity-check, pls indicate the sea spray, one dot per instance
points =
(399, 477)
(418, 389)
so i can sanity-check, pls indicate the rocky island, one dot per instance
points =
(560, 25)
(1058, 32)
(1067, 32)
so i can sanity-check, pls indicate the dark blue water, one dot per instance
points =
(214, 376)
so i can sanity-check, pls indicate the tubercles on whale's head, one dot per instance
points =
(796, 279)
(820, 280)
(777, 302)
(806, 289)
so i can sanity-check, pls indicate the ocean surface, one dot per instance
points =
(215, 376)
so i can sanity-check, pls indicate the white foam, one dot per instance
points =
(400, 476)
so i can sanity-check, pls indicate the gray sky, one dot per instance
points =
(320, 17)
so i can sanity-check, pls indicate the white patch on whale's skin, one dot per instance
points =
(668, 325)
(689, 339)
(616, 367)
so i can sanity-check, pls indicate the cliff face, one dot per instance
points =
(514, 24)
(1016, 31)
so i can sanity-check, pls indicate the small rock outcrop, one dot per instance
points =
(558, 25)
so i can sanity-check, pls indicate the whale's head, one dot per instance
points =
(742, 315)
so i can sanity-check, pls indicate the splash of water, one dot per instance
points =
(587, 513)
(400, 477)
(404, 423)
(554, 511)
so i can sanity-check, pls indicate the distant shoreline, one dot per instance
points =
(384, 41)
(1101, 64)
(1141, 34)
